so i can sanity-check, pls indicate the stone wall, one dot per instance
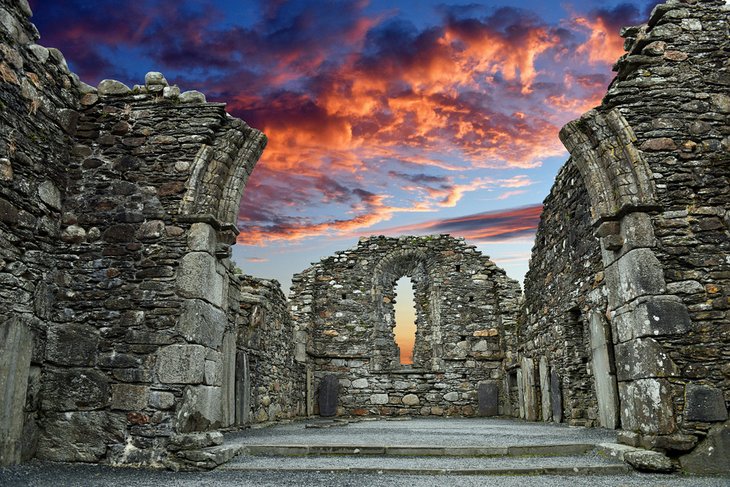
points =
(117, 213)
(276, 384)
(463, 304)
(563, 288)
(654, 161)
(37, 98)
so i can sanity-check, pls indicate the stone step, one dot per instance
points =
(417, 450)
(430, 465)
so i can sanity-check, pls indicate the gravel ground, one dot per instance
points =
(37, 474)
(426, 432)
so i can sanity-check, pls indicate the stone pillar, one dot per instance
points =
(16, 343)
(641, 312)
(529, 389)
(243, 389)
(545, 389)
(556, 393)
(604, 373)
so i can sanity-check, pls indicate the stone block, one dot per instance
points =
(202, 238)
(604, 376)
(328, 391)
(228, 377)
(162, 399)
(378, 399)
(643, 358)
(155, 78)
(411, 400)
(648, 461)
(529, 388)
(110, 87)
(201, 409)
(80, 436)
(214, 369)
(636, 273)
(72, 344)
(50, 195)
(16, 345)
(711, 456)
(129, 397)
(655, 317)
(181, 364)
(451, 396)
(646, 406)
(192, 96)
(74, 390)
(556, 396)
(361, 383)
(521, 393)
(202, 323)
(545, 395)
(197, 278)
(704, 404)
(195, 441)
(488, 398)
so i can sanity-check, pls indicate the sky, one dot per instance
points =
(383, 117)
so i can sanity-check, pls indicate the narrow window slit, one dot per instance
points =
(405, 320)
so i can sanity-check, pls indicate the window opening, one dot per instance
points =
(405, 319)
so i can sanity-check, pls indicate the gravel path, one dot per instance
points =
(37, 474)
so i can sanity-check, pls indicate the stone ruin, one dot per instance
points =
(127, 335)
(343, 311)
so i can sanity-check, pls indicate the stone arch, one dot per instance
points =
(621, 191)
(617, 177)
(231, 160)
(415, 264)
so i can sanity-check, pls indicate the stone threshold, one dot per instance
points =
(417, 450)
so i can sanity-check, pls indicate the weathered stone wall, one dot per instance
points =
(655, 162)
(563, 287)
(37, 96)
(276, 384)
(117, 213)
(463, 304)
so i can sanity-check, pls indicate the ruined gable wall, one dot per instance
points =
(277, 381)
(463, 303)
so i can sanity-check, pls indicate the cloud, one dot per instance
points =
(256, 260)
(480, 227)
(368, 114)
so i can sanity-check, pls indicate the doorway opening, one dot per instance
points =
(405, 320)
